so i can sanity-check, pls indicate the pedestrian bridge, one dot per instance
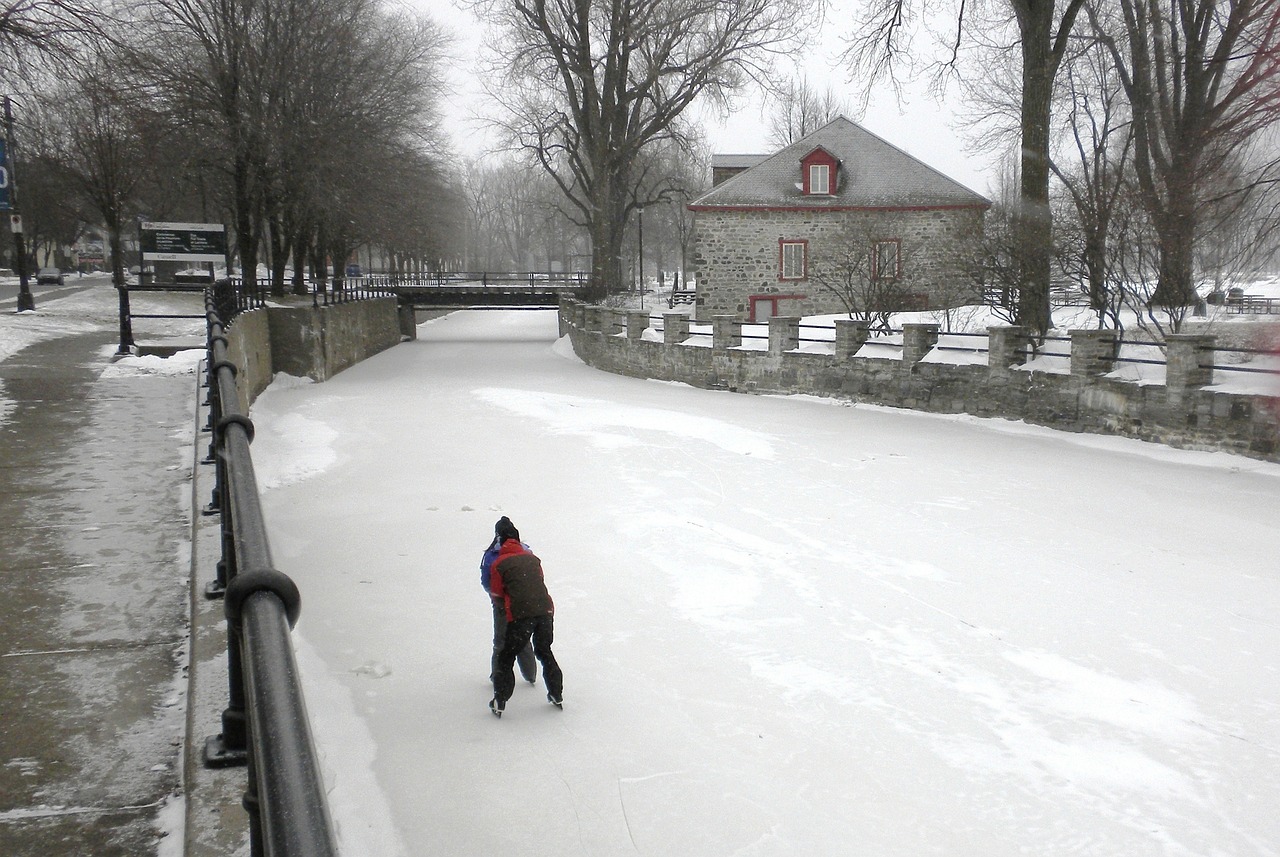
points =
(479, 289)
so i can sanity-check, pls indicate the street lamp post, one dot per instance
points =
(25, 299)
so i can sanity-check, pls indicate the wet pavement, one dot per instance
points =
(104, 690)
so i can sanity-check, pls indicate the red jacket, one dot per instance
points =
(516, 578)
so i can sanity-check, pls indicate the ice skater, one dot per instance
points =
(528, 666)
(516, 578)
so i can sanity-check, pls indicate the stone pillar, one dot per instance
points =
(596, 316)
(408, 321)
(1007, 346)
(1186, 364)
(1093, 352)
(726, 332)
(675, 328)
(580, 316)
(917, 341)
(566, 314)
(851, 335)
(637, 324)
(784, 334)
(615, 321)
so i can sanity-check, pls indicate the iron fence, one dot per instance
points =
(1044, 346)
(265, 724)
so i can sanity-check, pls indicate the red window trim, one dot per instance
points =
(897, 258)
(819, 156)
(804, 242)
(753, 300)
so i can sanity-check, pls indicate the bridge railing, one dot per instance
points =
(265, 723)
(483, 279)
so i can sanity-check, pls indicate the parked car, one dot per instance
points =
(50, 277)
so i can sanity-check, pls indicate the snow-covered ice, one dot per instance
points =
(788, 626)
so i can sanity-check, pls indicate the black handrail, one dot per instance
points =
(265, 724)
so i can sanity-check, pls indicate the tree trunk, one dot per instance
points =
(1033, 224)
(608, 229)
(300, 261)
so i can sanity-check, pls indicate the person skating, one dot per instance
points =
(528, 665)
(516, 577)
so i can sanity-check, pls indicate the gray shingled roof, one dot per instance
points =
(872, 173)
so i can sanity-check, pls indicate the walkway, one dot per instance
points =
(95, 604)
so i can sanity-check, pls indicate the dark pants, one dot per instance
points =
(528, 666)
(519, 632)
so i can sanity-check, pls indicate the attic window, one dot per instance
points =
(819, 179)
(819, 173)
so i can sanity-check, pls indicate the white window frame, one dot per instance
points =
(823, 187)
(788, 268)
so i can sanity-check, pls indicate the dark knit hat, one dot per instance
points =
(504, 530)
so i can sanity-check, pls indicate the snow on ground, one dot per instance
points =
(95, 308)
(788, 626)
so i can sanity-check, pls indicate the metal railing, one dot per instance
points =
(483, 279)
(265, 724)
(1046, 346)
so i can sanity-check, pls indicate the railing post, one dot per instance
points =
(726, 332)
(917, 341)
(1184, 369)
(596, 318)
(637, 324)
(675, 328)
(1007, 346)
(851, 335)
(784, 334)
(126, 320)
(1093, 352)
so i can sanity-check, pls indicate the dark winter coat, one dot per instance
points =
(516, 578)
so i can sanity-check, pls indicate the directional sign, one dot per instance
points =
(5, 204)
(184, 242)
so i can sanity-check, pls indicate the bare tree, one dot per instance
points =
(590, 84)
(866, 274)
(1092, 170)
(312, 103)
(101, 140)
(44, 30)
(1044, 28)
(800, 109)
(1202, 79)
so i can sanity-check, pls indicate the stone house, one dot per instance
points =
(839, 216)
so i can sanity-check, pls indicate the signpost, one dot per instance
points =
(9, 202)
(172, 242)
(5, 205)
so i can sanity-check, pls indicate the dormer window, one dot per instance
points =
(819, 174)
(819, 178)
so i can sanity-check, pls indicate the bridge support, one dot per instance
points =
(408, 321)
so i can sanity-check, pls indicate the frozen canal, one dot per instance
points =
(787, 626)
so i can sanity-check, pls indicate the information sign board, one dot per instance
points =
(184, 242)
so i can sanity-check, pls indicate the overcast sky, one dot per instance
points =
(919, 125)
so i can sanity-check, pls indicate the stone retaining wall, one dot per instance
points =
(1180, 413)
(308, 342)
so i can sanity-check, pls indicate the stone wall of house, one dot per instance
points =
(1181, 413)
(737, 255)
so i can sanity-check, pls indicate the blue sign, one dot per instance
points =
(4, 175)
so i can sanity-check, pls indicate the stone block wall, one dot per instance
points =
(307, 342)
(737, 255)
(1181, 414)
